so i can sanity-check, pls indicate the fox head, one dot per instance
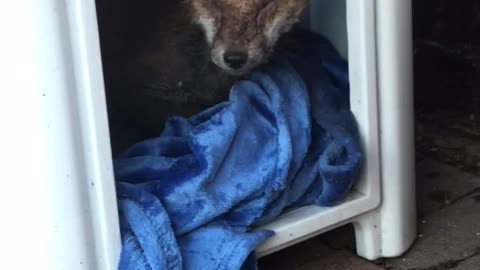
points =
(242, 33)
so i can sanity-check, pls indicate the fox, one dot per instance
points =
(178, 57)
(242, 34)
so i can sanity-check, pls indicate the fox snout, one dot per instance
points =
(235, 59)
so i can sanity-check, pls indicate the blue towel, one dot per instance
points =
(191, 198)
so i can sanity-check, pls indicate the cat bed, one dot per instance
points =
(192, 198)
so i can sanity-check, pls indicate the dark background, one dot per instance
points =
(447, 55)
(447, 81)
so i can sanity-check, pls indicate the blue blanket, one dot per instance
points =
(191, 198)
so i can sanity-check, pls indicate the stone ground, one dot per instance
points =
(448, 180)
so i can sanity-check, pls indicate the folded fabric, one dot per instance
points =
(191, 198)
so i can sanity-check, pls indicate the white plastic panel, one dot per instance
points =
(304, 223)
(57, 199)
(391, 229)
(395, 54)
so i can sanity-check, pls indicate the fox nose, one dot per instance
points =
(235, 59)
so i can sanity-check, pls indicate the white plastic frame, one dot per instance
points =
(58, 199)
(58, 195)
(382, 204)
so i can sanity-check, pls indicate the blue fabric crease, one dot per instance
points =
(191, 198)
